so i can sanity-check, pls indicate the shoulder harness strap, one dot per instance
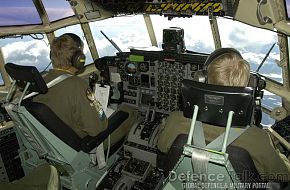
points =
(51, 84)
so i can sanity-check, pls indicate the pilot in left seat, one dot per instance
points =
(68, 99)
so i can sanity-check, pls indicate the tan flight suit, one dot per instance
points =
(69, 102)
(268, 161)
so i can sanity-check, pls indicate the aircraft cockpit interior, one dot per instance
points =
(187, 132)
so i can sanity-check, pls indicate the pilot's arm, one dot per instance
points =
(270, 163)
(89, 120)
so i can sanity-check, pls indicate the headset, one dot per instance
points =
(255, 80)
(201, 75)
(79, 58)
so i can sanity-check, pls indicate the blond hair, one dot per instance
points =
(228, 69)
(62, 50)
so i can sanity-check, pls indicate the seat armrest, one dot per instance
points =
(115, 121)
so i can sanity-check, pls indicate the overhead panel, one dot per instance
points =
(167, 8)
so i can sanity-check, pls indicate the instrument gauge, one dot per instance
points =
(143, 67)
(131, 68)
(193, 67)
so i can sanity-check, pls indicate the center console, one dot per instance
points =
(151, 83)
(155, 76)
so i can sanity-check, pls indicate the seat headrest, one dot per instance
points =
(24, 74)
(215, 102)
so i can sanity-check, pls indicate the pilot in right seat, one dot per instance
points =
(68, 99)
(227, 67)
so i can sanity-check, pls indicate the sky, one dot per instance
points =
(26, 13)
(130, 31)
(288, 7)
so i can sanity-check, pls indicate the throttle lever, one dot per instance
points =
(154, 112)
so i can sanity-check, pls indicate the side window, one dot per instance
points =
(1, 80)
(254, 43)
(269, 102)
(26, 51)
(76, 29)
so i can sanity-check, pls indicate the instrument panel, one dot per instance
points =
(153, 78)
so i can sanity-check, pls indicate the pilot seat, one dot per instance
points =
(232, 108)
(45, 138)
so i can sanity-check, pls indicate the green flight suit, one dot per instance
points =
(43, 177)
(69, 102)
(269, 162)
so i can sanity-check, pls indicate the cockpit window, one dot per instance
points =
(22, 13)
(76, 29)
(127, 32)
(26, 51)
(253, 43)
(197, 31)
(287, 6)
(57, 9)
(1, 80)
(269, 102)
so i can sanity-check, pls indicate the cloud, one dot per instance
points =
(267, 93)
(253, 58)
(34, 52)
(278, 103)
(197, 31)
(124, 40)
(131, 39)
(274, 76)
(130, 31)
(114, 26)
(126, 32)
(245, 35)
